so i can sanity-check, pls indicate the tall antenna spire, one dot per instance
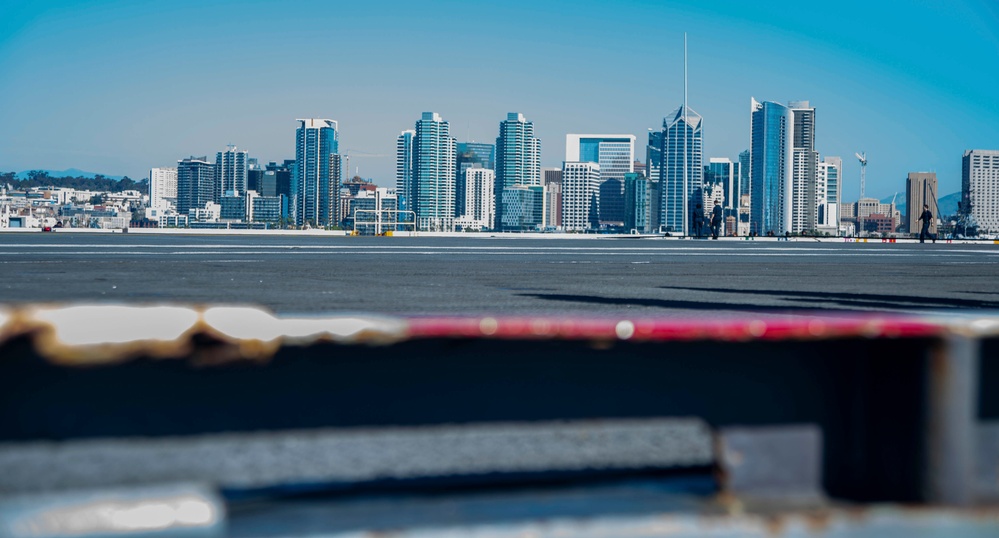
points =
(686, 177)
(862, 157)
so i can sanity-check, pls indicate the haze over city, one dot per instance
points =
(120, 87)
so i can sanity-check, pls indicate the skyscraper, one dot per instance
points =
(980, 188)
(230, 172)
(315, 186)
(654, 154)
(744, 173)
(636, 202)
(162, 187)
(518, 161)
(195, 184)
(580, 186)
(611, 195)
(330, 213)
(770, 162)
(404, 180)
(433, 170)
(681, 173)
(804, 168)
(282, 184)
(653, 167)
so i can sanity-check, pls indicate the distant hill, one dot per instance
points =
(69, 172)
(948, 203)
(71, 179)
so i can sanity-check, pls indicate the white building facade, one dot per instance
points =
(580, 188)
(980, 188)
(804, 171)
(480, 199)
(163, 187)
(828, 192)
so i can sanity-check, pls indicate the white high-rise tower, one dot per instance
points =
(433, 171)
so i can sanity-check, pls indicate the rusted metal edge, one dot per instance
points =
(99, 334)
(110, 333)
(876, 522)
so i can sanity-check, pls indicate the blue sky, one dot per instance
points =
(121, 86)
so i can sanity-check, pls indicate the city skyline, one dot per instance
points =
(123, 108)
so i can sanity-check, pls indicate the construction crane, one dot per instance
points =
(358, 154)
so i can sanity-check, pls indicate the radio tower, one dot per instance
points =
(862, 157)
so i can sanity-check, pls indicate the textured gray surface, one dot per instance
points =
(987, 457)
(273, 458)
(773, 461)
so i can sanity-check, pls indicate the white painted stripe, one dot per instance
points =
(630, 248)
(299, 252)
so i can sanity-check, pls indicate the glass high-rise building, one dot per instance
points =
(231, 168)
(477, 154)
(523, 208)
(744, 172)
(681, 174)
(636, 202)
(518, 163)
(433, 171)
(654, 154)
(195, 184)
(404, 180)
(770, 161)
(612, 202)
(315, 185)
(653, 165)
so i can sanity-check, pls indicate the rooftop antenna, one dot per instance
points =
(862, 157)
(686, 178)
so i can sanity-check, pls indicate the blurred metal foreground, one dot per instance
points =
(178, 421)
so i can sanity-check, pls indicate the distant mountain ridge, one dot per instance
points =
(947, 203)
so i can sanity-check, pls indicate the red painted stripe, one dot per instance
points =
(651, 329)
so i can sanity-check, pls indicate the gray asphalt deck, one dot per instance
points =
(398, 275)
